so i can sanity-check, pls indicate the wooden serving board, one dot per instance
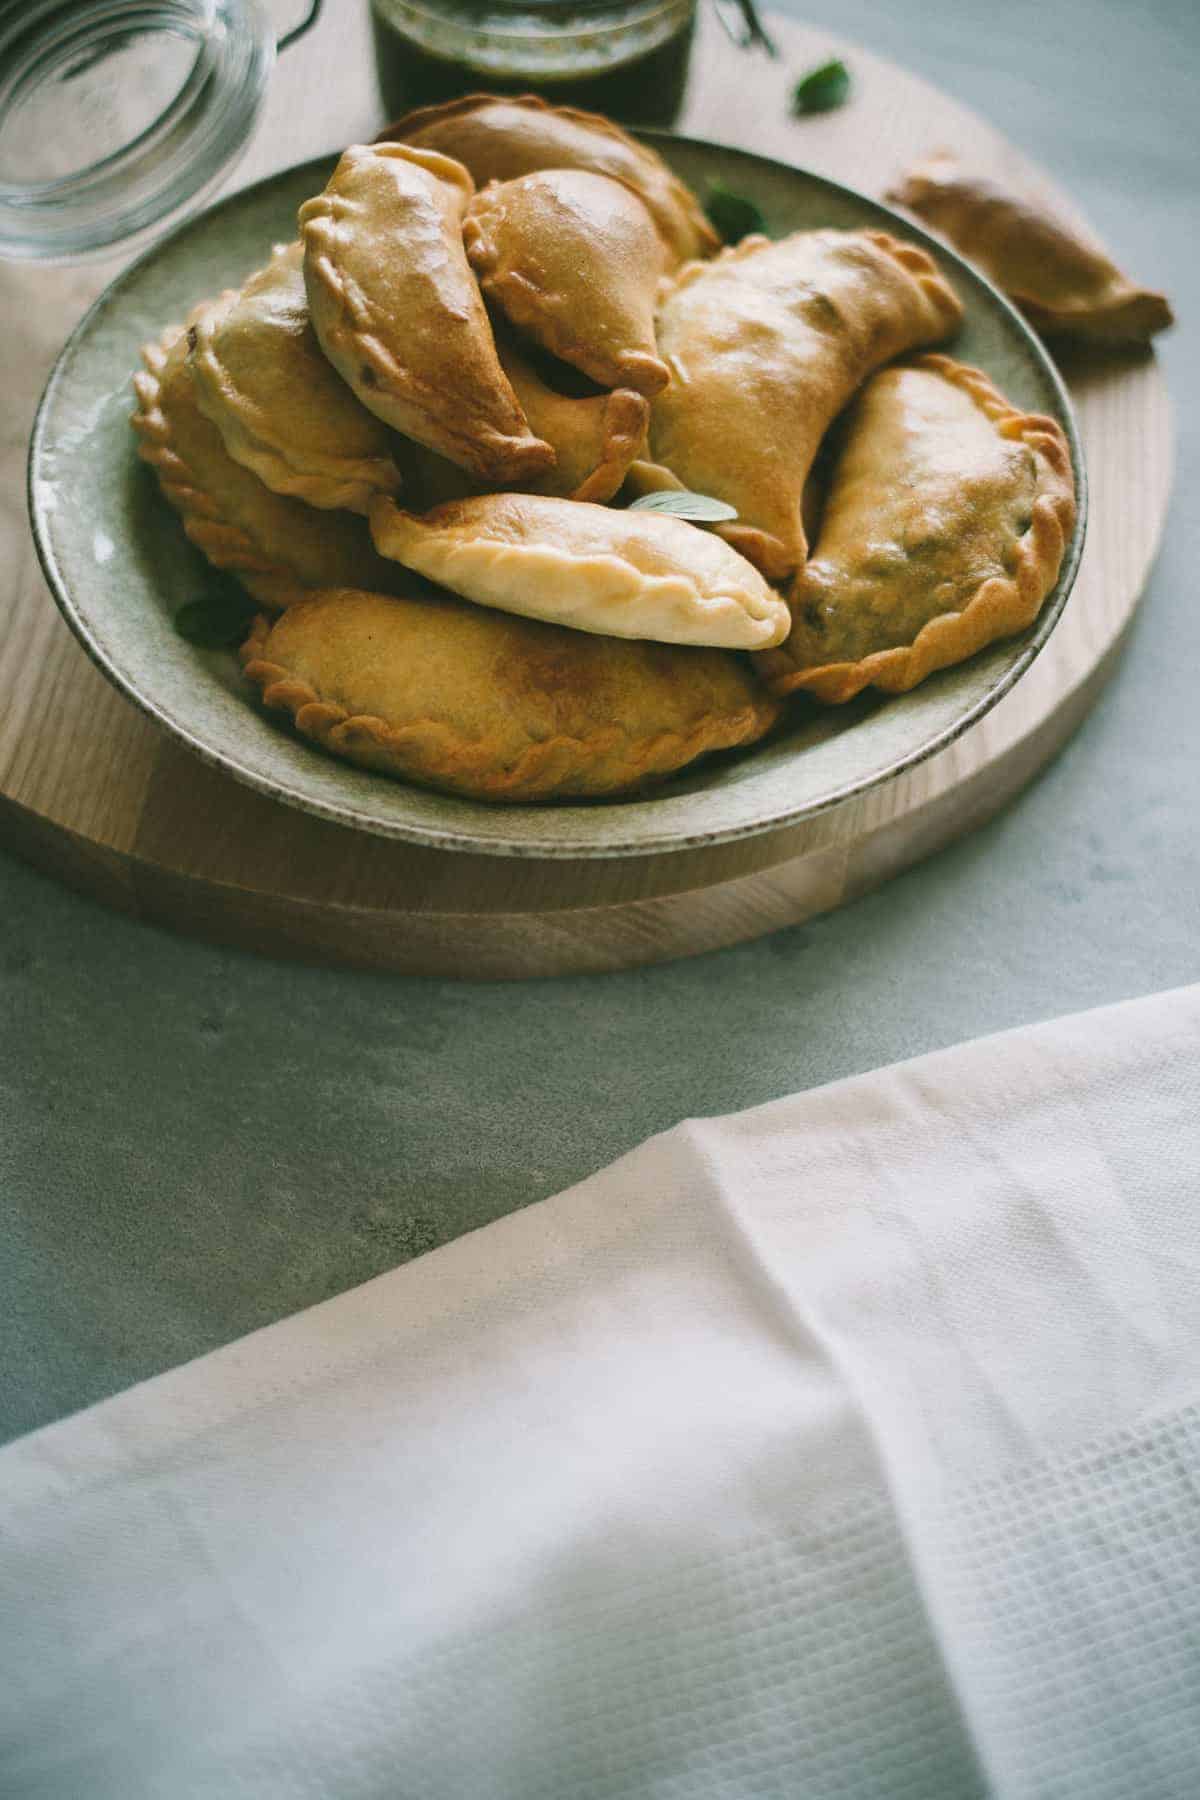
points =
(90, 790)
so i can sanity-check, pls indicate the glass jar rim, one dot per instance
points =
(173, 159)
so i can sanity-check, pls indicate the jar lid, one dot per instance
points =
(116, 115)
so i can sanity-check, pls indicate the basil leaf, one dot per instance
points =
(702, 509)
(732, 214)
(215, 621)
(822, 88)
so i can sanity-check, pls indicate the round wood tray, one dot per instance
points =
(90, 790)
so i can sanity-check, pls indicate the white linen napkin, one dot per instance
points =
(845, 1447)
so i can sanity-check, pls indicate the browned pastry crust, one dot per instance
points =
(575, 260)
(498, 138)
(399, 314)
(282, 409)
(1064, 285)
(766, 344)
(595, 438)
(500, 708)
(982, 533)
(274, 544)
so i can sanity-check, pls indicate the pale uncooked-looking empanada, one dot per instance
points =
(274, 545)
(482, 703)
(280, 406)
(766, 344)
(595, 438)
(499, 139)
(944, 528)
(399, 314)
(1064, 285)
(620, 574)
(575, 260)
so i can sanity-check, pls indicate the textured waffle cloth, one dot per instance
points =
(849, 1446)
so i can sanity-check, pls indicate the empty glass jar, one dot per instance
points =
(117, 114)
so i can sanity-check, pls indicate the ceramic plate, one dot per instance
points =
(119, 564)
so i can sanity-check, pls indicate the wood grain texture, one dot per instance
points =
(92, 792)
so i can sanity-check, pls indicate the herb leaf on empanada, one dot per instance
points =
(598, 569)
(766, 344)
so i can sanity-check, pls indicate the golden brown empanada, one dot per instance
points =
(595, 438)
(621, 574)
(280, 406)
(1066, 286)
(945, 525)
(499, 139)
(272, 543)
(398, 312)
(453, 696)
(575, 260)
(766, 344)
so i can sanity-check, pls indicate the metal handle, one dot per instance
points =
(310, 18)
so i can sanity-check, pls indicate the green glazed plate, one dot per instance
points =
(119, 564)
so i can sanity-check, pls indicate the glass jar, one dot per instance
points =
(627, 58)
(115, 115)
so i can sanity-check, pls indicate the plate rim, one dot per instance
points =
(464, 840)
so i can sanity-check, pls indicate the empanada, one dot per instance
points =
(453, 696)
(947, 517)
(280, 406)
(766, 344)
(272, 543)
(621, 574)
(595, 438)
(398, 312)
(1066, 286)
(575, 260)
(498, 139)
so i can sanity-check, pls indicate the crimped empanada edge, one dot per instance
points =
(916, 262)
(1001, 606)
(530, 306)
(486, 452)
(392, 525)
(226, 546)
(326, 483)
(689, 206)
(545, 769)
(626, 424)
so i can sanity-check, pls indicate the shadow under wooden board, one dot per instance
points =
(92, 791)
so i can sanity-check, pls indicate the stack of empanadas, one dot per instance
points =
(450, 437)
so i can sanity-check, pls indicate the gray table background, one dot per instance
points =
(194, 1142)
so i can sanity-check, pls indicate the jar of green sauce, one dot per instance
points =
(626, 58)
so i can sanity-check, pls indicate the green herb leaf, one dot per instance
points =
(215, 621)
(701, 509)
(822, 88)
(732, 214)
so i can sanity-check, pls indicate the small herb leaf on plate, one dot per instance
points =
(678, 503)
(731, 213)
(215, 621)
(823, 88)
